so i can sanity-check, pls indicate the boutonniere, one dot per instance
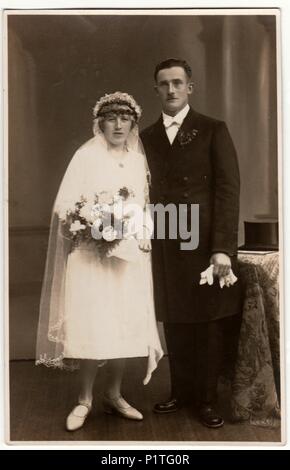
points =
(185, 138)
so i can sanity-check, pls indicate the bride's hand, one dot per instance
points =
(144, 245)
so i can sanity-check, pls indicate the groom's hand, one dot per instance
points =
(222, 264)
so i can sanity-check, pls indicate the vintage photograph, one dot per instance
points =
(144, 218)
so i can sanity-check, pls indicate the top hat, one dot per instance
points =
(261, 236)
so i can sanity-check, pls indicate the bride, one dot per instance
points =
(97, 302)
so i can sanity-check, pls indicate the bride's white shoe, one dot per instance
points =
(77, 416)
(121, 407)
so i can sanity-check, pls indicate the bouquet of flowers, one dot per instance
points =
(102, 220)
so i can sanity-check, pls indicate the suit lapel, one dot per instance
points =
(187, 126)
(161, 138)
(177, 149)
(169, 155)
(161, 146)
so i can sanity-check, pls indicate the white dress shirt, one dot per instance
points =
(173, 123)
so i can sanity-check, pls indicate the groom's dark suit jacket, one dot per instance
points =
(199, 168)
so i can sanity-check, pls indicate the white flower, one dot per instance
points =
(86, 210)
(76, 226)
(109, 234)
(63, 212)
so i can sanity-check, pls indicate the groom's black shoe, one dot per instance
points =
(167, 406)
(210, 417)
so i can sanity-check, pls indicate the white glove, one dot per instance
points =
(206, 277)
(228, 280)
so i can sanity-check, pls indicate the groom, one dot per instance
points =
(192, 160)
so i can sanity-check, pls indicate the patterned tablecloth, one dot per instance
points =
(256, 379)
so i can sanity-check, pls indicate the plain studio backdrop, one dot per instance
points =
(59, 65)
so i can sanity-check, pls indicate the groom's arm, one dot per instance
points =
(226, 189)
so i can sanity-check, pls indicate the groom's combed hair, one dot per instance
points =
(173, 62)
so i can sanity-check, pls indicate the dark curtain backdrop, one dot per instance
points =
(60, 65)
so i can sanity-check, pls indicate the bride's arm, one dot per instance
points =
(142, 198)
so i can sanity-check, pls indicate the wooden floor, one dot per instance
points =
(41, 398)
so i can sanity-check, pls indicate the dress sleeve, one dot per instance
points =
(227, 192)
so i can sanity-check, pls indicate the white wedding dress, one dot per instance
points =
(104, 308)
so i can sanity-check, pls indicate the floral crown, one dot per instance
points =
(117, 98)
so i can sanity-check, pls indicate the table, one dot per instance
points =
(256, 379)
